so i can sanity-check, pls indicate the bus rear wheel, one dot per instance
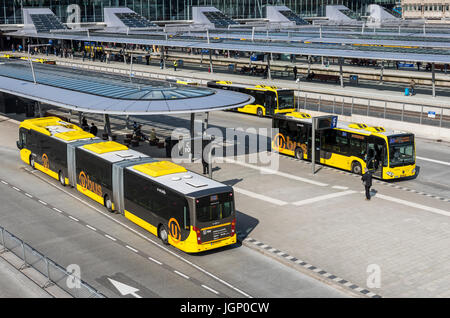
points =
(61, 178)
(356, 167)
(163, 235)
(260, 112)
(32, 162)
(299, 153)
(108, 203)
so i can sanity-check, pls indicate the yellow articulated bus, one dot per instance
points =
(350, 146)
(38, 60)
(184, 209)
(269, 100)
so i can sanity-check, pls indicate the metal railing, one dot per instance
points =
(413, 112)
(54, 273)
(437, 116)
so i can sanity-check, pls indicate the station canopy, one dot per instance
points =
(95, 92)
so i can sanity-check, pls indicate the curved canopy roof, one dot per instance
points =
(95, 92)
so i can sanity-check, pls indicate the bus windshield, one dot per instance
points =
(285, 99)
(401, 151)
(214, 207)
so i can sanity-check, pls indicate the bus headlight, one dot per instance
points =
(390, 174)
(413, 171)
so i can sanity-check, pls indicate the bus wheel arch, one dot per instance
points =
(259, 112)
(163, 234)
(356, 167)
(61, 178)
(298, 153)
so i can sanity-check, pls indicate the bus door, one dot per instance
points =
(271, 103)
(318, 145)
(376, 157)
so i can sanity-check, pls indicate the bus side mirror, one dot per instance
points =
(19, 145)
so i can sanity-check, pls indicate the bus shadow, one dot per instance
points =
(244, 226)
(232, 182)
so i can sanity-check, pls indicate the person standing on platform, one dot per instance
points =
(367, 181)
(93, 130)
(294, 70)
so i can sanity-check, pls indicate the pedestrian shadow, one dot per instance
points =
(373, 192)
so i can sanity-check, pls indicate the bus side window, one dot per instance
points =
(259, 98)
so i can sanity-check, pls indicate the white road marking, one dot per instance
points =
(340, 188)
(412, 204)
(271, 171)
(75, 219)
(28, 195)
(210, 289)
(4, 182)
(259, 196)
(110, 237)
(17, 189)
(44, 203)
(433, 160)
(57, 210)
(90, 227)
(131, 248)
(155, 261)
(323, 197)
(181, 274)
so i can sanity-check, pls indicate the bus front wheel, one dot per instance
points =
(356, 167)
(32, 162)
(163, 235)
(260, 112)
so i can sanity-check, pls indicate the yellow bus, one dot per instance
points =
(269, 100)
(355, 147)
(184, 209)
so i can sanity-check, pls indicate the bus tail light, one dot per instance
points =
(233, 227)
(199, 238)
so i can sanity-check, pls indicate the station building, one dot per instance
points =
(163, 10)
(426, 9)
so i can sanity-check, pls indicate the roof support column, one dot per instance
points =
(163, 64)
(309, 64)
(107, 127)
(433, 80)
(269, 74)
(341, 74)
(381, 72)
(191, 155)
(210, 62)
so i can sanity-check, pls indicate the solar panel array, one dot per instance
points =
(134, 20)
(351, 14)
(293, 17)
(46, 22)
(219, 19)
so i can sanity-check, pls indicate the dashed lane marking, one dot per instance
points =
(181, 274)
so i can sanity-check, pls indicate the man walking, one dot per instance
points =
(367, 181)
(175, 65)
(295, 72)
